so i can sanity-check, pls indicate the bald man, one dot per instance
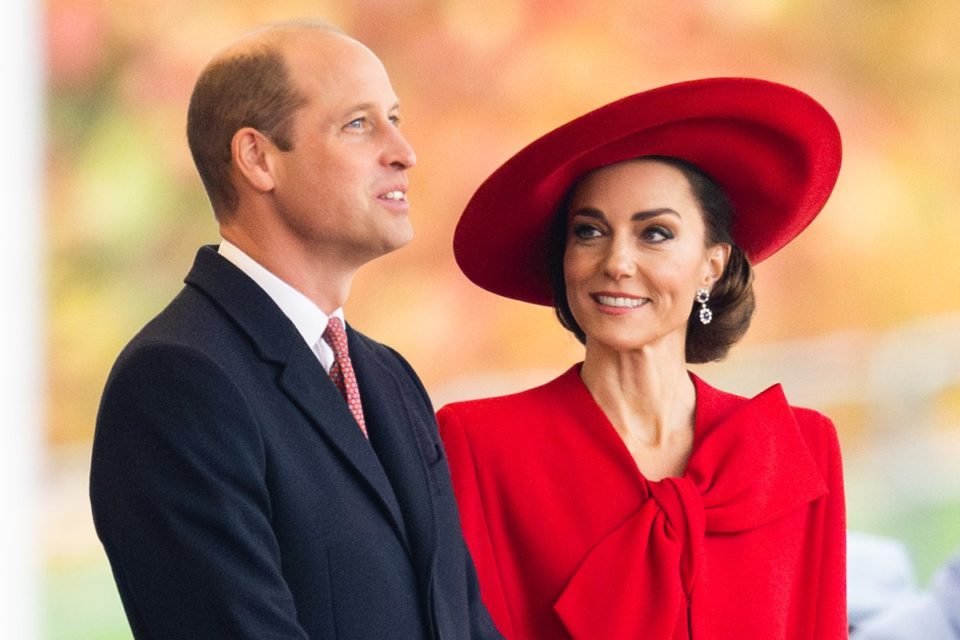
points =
(260, 469)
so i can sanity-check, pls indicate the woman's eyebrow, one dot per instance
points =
(639, 216)
(589, 212)
(653, 213)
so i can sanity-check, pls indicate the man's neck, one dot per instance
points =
(324, 281)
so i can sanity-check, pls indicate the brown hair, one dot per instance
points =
(249, 89)
(731, 300)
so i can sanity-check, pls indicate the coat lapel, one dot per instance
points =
(399, 443)
(309, 387)
(301, 378)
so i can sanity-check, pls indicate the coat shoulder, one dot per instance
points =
(815, 428)
(504, 411)
(385, 353)
(821, 436)
(812, 424)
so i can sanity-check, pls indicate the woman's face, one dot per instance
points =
(636, 254)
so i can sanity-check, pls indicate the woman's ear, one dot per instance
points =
(717, 257)
(251, 152)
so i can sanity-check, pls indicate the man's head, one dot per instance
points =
(246, 85)
(294, 131)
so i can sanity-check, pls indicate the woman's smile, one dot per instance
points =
(618, 303)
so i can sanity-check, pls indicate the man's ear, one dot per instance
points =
(251, 152)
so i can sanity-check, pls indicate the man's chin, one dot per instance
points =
(389, 244)
(400, 239)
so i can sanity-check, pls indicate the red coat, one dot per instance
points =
(571, 541)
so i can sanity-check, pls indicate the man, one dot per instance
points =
(256, 472)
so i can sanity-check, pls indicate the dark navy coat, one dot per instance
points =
(237, 498)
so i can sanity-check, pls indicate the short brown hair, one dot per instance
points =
(249, 89)
(731, 301)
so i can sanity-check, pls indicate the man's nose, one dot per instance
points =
(399, 153)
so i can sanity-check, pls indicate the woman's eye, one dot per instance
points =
(657, 233)
(356, 123)
(585, 231)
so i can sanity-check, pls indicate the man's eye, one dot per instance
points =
(356, 123)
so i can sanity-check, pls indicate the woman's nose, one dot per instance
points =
(620, 261)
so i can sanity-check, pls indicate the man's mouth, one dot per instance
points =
(394, 195)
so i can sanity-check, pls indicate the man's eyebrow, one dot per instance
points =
(367, 106)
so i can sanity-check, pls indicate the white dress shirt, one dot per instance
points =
(307, 317)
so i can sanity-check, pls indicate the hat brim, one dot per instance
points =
(773, 149)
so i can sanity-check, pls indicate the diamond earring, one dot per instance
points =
(705, 314)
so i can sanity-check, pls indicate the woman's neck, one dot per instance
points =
(647, 394)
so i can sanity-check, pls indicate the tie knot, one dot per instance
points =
(336, 337)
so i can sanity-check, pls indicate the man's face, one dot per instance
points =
(341, 191)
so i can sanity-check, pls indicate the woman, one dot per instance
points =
(628, 498)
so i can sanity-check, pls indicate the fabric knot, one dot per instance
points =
(682, 506)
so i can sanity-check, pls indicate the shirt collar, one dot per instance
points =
(307, 317)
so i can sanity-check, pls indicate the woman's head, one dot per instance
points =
(759, 158)
(630, 246)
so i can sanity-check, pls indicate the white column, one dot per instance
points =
(21, 314)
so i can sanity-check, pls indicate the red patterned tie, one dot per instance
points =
(341, 372)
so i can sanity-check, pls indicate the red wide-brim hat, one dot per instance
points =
(774, 151)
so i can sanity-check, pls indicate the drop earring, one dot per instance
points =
(705, 314)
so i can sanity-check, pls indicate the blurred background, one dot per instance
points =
(859, 318)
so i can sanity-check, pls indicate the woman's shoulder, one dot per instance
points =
(504, 408)
(816, 428)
